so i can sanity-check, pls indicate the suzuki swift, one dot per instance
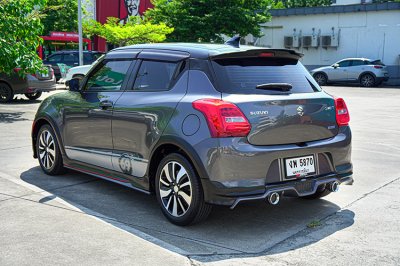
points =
(199, 125)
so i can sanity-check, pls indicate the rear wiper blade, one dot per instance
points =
(275, 86)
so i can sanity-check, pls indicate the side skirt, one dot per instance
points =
(106, 176)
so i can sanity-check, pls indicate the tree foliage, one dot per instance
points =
(20, 27)
(207, 20)
(301, 3)
(136, 30)
(60, 15)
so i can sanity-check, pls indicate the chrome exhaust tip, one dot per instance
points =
(334, 186)
(273, 198)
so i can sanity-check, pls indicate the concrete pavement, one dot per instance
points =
(76, 218)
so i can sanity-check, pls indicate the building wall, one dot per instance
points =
(374, 35)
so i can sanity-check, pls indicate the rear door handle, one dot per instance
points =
(106, 104)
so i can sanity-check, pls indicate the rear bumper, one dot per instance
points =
(42, 85)
(300, 188)
(381, 79)
(239, 170)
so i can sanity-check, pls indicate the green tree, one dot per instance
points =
(302, 3)
(20, 27)
(207, 20)
(60, 15)
(135, 31)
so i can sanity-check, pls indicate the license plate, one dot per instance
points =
(300, 166)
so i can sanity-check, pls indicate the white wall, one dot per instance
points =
(374, 35)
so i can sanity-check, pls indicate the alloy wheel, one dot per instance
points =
(47, 149)
(367, 81)
(175, 189)
(320, 79)
(5, 93)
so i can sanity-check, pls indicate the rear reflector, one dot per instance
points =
(342, 113)
(224, 119)
(378, 67)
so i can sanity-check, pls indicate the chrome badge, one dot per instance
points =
(300, 110)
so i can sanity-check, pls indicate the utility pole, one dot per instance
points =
(80, 32)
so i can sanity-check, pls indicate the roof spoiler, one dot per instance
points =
(259, 52)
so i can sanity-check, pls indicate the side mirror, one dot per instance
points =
(335, 65)
(74, 84)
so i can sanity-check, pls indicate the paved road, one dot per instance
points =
(76, 218)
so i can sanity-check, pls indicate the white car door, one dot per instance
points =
(339, 71)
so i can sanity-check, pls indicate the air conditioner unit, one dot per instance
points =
(329, 41)
(306, 41)
(288, 41)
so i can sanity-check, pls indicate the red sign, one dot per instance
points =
(66, 35)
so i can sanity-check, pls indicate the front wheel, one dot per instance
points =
(320, 78)
(48, 151)
(179, 191)
(33, 96)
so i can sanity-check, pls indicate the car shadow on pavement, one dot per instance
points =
(12, 117)
(251, 229)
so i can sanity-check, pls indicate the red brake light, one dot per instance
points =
(224, 119)
(342, 113)
(378, 67)
(266, 54)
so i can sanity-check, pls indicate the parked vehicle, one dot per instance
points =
(71, 59)
(79, 72)
(199, 124)
(364, 71)
(32, 85)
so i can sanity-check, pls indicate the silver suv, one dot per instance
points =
(365, 71)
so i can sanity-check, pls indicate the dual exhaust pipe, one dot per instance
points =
(274, 197)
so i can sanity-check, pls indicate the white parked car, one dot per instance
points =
(365, 71)
(79, 71)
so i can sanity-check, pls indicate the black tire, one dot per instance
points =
(44, 146)
(367, 80)
(6, 93)
(197, 210)
(33, 96)
(321, 78)
(322, 191)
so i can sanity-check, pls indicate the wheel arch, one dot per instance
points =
(366, 72)
(172, 144)
(37, 124)
(7, 83)
(323, 73)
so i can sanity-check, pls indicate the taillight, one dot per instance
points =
(224, 119)
(378, 67)
(342, 113)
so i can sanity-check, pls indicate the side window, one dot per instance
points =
(109, 76)
(71, 58)
(55, 58)
(344, 63)
(357, 63)
(154, 76)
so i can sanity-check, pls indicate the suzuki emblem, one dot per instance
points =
(300, 110)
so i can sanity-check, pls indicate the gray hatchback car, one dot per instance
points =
(198, 125)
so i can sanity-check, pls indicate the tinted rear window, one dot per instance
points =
(242, 75)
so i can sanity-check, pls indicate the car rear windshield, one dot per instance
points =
(242, 75)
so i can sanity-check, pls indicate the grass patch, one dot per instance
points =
(314, 224)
